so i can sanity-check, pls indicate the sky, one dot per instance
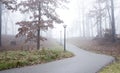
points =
(72, 17)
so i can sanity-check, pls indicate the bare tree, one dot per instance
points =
(100, 13)
(113, 22)
(0, 22)
(83, 18)
(108, 8)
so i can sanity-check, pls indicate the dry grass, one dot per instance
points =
(15, 53)
(97, 46)
(9, 42)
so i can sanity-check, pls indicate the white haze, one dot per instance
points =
(72, 17)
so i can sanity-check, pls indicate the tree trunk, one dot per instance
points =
(83, 19)
(109, 14)
(113, 21)
(38, 39)
(0, 23)
(100, 20)
(100, 27)
(38, 31)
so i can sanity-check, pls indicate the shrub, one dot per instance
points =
(108, 34)
(22, 58)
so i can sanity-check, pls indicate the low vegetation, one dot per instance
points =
(101, 47)
(112, 68)
(14, 59)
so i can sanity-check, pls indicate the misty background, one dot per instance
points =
(74, 16)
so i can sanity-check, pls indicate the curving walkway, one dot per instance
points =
(83, 62)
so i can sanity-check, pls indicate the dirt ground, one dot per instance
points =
(100, 46)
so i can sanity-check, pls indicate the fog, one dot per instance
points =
(74, 16)
(88, 36)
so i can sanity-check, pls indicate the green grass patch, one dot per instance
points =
(15, 59)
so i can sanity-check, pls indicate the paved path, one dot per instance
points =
(83, 62)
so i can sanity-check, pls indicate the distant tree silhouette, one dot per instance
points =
(0, 23)
(113, 22)
(83, 18)
(102, 14)
(9, 4)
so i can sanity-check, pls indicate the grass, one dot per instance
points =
(25, 54)
(15, 59)
(112, 49)
(113, 68)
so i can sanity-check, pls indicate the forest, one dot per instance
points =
(44, 29)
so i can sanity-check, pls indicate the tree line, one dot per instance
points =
(42, 15)
(102, 17)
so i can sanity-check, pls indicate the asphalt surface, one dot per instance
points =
(82, 62)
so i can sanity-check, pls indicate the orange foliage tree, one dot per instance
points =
(42, 15)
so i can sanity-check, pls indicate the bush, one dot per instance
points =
(22, 58)
(108, 34)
